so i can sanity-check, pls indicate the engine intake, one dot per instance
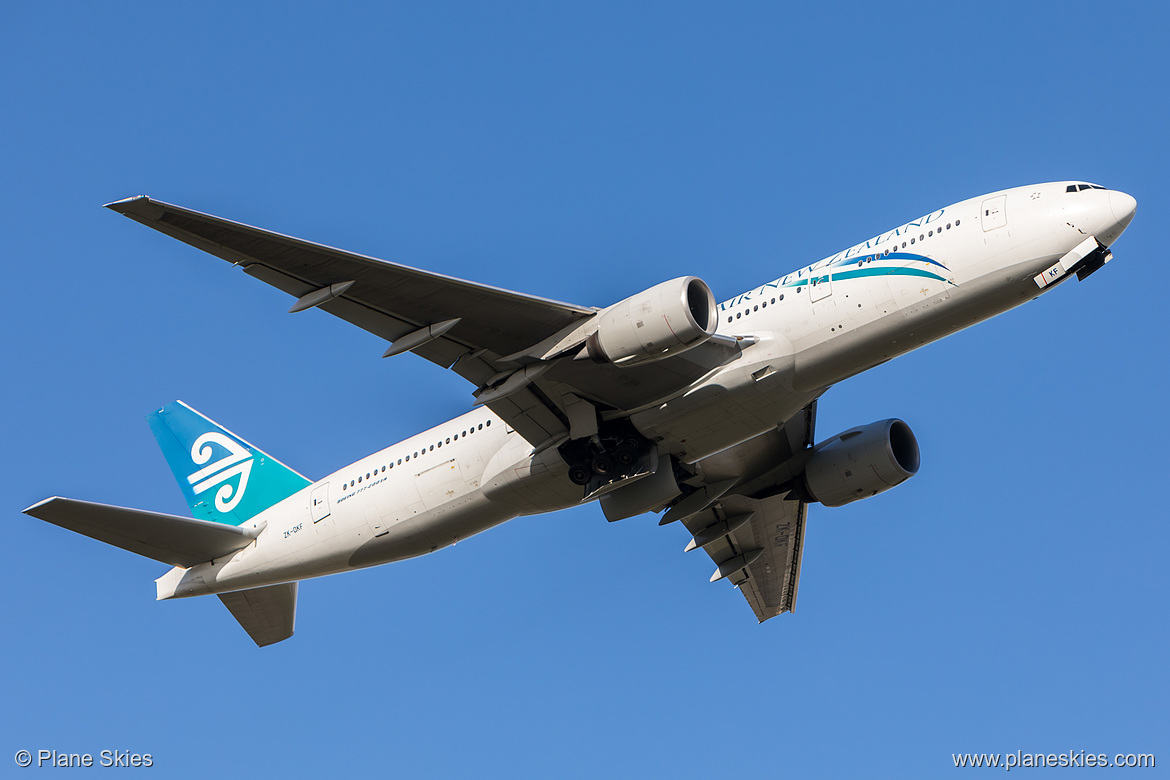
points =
(862, 462)
(668, 318)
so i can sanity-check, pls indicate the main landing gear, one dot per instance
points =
(615, 453)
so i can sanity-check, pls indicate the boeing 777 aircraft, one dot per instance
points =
(664, 402)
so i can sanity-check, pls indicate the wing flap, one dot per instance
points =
(179, 541)
(773, 578)
(769, 581)
(268, 614)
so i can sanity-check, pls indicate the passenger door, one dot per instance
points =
(820, 286)
(993, 212)
(319, 503)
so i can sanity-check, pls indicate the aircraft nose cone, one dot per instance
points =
(1123, 207)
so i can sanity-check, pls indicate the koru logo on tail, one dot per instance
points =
(238, 462)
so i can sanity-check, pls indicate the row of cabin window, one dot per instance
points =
(423, 451)
(869, 259)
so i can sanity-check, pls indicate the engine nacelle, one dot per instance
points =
(668, 318)
(862, 462)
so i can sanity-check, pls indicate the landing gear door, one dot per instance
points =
(319, 503)
(993, 212)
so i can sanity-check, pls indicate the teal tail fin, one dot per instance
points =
(224, 478)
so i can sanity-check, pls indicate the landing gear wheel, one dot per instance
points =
(602, 464)
(625, 456)
(579, 474)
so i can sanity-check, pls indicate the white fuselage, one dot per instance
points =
(811, 328)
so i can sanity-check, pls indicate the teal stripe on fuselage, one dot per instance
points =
(861, 272)
(892, 256)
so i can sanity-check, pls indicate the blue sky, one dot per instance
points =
(1010, 597)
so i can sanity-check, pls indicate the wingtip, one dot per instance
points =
(121, 205)
(38, 504)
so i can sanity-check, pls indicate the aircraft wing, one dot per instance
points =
(483, 333)
(754, 533)
(762, 556)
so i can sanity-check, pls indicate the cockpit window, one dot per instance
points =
(1082, 187)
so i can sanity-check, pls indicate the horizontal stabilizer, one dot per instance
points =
(179, 541)
(268, 614)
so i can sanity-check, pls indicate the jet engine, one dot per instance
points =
(668, 318)
(862, 462)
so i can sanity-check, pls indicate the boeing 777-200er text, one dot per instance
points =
(664, 402)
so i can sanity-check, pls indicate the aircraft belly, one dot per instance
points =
(529, 482)
(827, 362)
(463, 518)
(733, 407)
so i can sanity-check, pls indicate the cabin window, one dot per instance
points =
(489, 422)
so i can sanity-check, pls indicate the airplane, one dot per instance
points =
(664, 402)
